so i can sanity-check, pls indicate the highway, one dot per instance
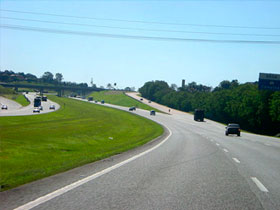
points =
(192, 166)
(15, 109)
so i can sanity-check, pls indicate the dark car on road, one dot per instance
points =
(133, 108)
(44, 98)
(152, 112)
(102, 102)
(52, 106)
(199, 115)
(233, 128)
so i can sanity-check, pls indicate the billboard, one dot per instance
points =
(269, 82)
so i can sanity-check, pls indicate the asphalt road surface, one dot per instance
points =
(193, 166)
(15, 109)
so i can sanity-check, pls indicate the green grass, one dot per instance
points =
(4, 90)
(119, 98)
(22, 100)
(36, 146)
(18, 98)
(11, 94)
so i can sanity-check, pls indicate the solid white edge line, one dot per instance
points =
(80, 182)
(225, 150)
(236, 160)
(259, 184)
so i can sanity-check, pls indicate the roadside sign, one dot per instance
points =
(269, 82)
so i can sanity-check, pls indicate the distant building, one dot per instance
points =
(183, 83)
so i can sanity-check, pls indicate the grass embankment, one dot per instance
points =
(11, 94)
(18, 98)
(33, 147)
(119, 98)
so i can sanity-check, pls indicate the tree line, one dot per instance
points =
(46, 78)
(255, 110)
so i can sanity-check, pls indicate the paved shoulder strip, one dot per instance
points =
(76, 184)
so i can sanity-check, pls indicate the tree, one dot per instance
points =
(174, 87)
(275, 107)
(47, 77)
(109, 86)
(58, 77)
(31, 78)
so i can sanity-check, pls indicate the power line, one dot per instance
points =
(139, 21)
(121, 36)
(138, 29)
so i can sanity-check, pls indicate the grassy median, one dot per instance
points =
(119, 98)
(33, 147)
(18, 98)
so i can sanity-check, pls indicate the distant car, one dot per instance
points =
(41, 108)
(44, 98)
(198, 115)
(149, 101)
(4, 107)
(233, 128)
(102, 102)
(133, 108)
(52, 106)
(96, 101)
(36, 109)
(152, 112)
(141, 99)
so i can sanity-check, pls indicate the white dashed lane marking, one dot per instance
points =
(259, 184)
(217, 144)
(236, 160)
(225, 150)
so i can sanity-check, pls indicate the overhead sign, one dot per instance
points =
(269, 82)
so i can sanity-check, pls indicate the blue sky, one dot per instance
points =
(130, 62)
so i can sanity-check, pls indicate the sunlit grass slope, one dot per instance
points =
(119, 98)
(37, 146)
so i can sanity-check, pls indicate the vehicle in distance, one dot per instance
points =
(198, 115)
(36, 109)
(41, 108)
(96, 101)
(52, 106)
(90, 98)
(44, 98)
(149, 101)
(232, 128)
(102, 102)
(4, 106)
(37, 101)
(141, 99)
(133, 108)
(152, 112)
